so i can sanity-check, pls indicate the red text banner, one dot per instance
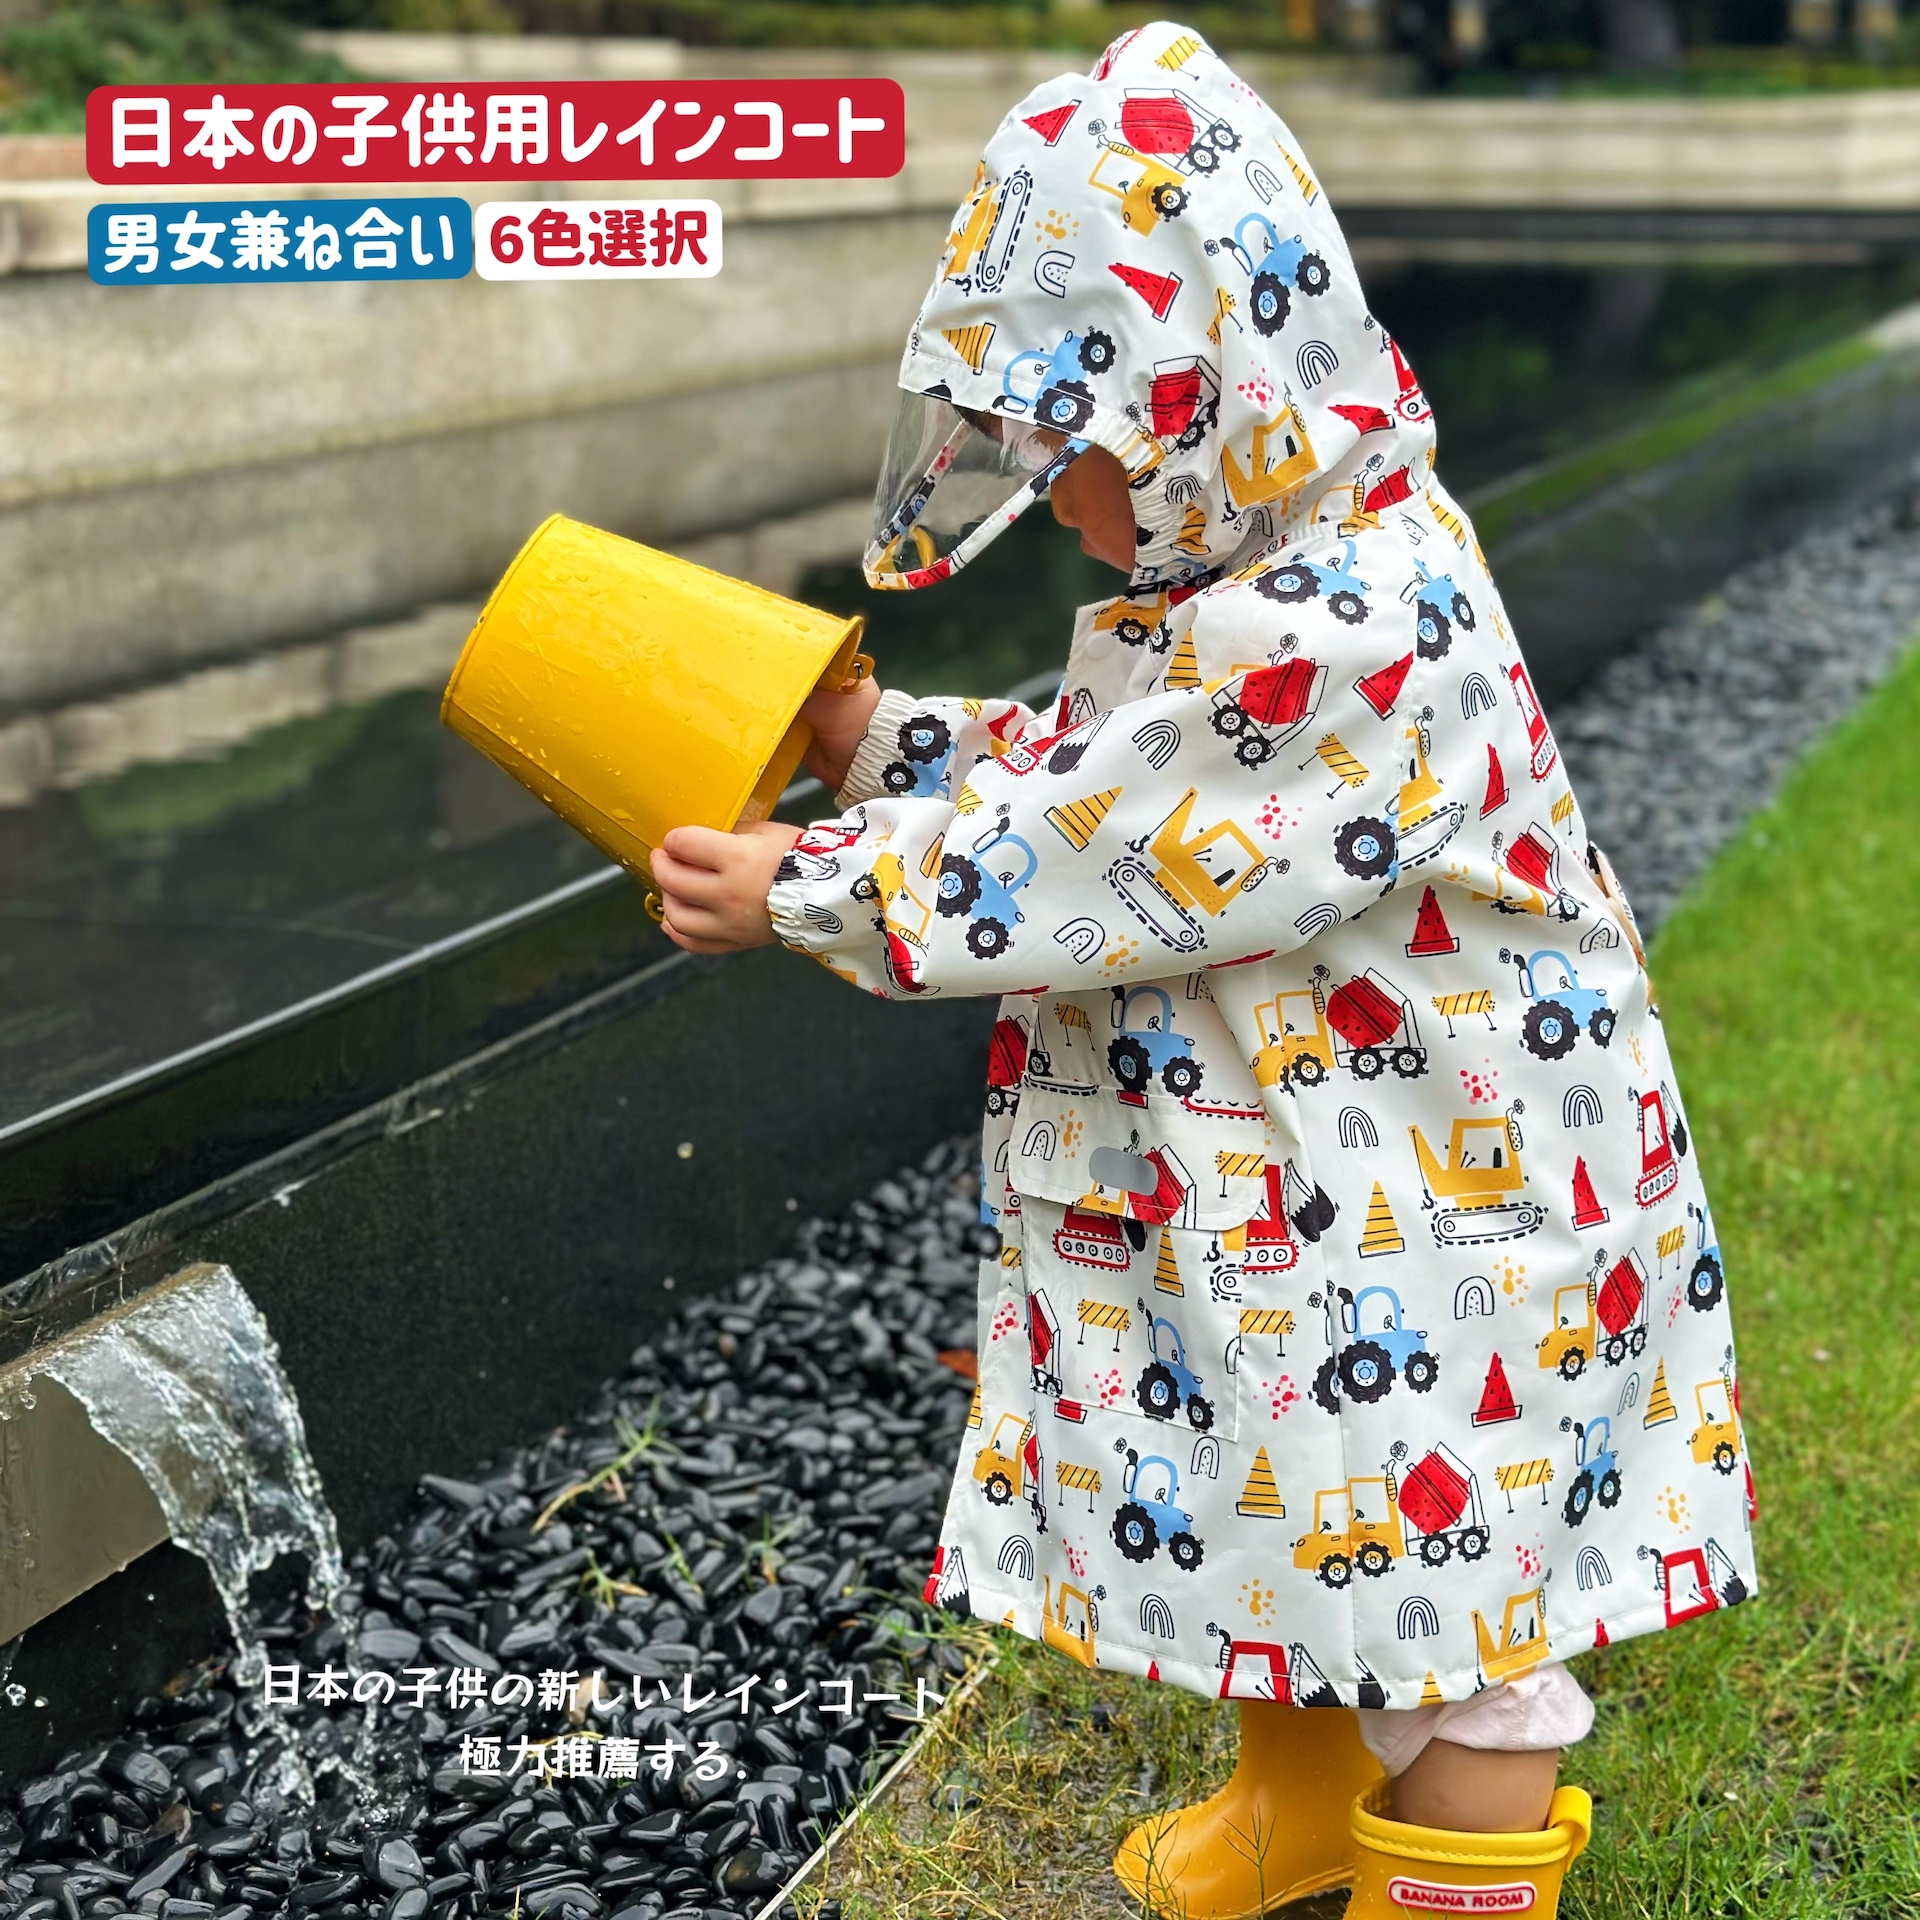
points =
(566, 130)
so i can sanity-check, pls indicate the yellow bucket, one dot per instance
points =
(633, 692)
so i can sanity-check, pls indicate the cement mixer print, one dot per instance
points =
(1353, 1247)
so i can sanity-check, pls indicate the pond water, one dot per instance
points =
(153, 911)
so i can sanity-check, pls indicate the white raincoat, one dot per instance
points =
(1358, 1332)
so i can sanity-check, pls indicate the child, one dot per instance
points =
(1357, 1348)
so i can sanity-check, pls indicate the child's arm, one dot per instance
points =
(1150, 831)
(865, 743)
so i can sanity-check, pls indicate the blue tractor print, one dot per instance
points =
(1057, 396)
(1596, 1470)
(1363, 1366)
(982, 886)
(1146, 1518)
(926, 751)
(1140, 1052)
(1300, 579)
(1168, 1383)
(1279, 269)
(1558, 1006)
(1439, 606)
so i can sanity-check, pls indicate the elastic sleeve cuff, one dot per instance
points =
(880, 744)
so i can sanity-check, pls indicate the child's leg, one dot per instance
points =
(1484, 1765)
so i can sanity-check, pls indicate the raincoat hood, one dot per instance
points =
(1144, 264)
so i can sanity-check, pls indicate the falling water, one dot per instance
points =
(187, 1383)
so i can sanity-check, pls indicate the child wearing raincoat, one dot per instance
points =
(1357, 1347)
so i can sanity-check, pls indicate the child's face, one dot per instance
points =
(1092, 496)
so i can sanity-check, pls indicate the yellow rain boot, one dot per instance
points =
(1277, 1831)
(1402, 1870)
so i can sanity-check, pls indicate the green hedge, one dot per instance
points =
(48, 66)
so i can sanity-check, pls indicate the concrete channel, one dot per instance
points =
(537, 1132)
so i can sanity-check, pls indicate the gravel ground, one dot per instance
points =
(754, 1495)
(761, 1490)
(1671, 747)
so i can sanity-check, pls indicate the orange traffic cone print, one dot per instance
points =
(1587, 1210)
(1431, 934)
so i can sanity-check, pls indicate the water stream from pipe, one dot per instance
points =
(187, 1383)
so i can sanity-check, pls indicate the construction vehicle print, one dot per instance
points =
(1188, 877)
(1095, 1240)
(1067, 1624)
(1373, 1026)
(1357, 1525)
(1531, 860)
(1058, 752)
(1167, 121)
(1593, 1316)
(1659, 1168)
(1183, 402)
(1424, 822)
(1045, 384)
(1050, 1053)
(1167, 1384)
(1479, 1194)
(1264, 1244)
(1695, 1580)
(1520, 1645)
(1275, 268)
(1296, 1046)
(1007, 1056)
(1148, 1515)
(1558, 1006)
(982, 887)
(1005, 1468)
(1282, 698)
(1439, 1500)
(1140, 1053)
(1136, 622)
(1043, 1345)
(1438, 607)
(988, 228)
(1715, 1442)
(946, 1584)
(1298, 579)
(1596, 1473)
(1280, 460)
(1707, 1281)
(1267, 1670)
(1541, 752)
(1148, 190)
(1363, 1360)
(903, 919)
(1169, 1201)
(926, 752)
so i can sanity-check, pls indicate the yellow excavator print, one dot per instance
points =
(1522, 1644)
(1068, 1629)
(1479, 1190)
(1270, 474)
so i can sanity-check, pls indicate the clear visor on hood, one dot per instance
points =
(952, 479)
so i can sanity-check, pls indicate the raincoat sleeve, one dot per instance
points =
(1238, 812)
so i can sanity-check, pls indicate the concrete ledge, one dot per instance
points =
(43, 222)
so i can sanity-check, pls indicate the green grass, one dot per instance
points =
(1763, 1764)
(48, 66)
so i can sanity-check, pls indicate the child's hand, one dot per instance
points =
(839, 723)
(713, 886)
